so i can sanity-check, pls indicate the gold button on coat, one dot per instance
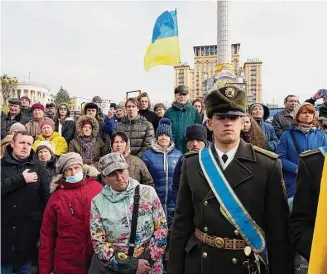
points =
(204, 255)
(236, 232)
(205, 229)
(234, 261)
(205, 203)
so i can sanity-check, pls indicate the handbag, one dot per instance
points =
(127, 264)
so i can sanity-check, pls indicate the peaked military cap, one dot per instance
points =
(228, 100)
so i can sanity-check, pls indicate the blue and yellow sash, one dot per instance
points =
(323, 150)
(232, 207)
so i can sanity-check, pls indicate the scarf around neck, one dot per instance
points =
(87, 144)
(305, 128)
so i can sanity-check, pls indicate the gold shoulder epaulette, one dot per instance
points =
(266, 152)
(190, 153)
(309, 152)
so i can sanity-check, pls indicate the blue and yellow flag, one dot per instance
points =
(318, 256)
(164, 47)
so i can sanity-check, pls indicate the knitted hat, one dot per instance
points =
(25, 97)
(164, 128)
(159, 105)
(17, 126)
(37, 106)
(45, 144)
(47, 122)
(86, 122)
(111, 162)
(298, 108)
(196, 132)
(68, 159)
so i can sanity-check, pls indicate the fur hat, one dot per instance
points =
(90, 120)
(37, 106)
(45, 144)
(68, 159)
(164, 128)
(228, 100)
(91, 105)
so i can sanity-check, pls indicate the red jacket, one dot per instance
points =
(65, 243)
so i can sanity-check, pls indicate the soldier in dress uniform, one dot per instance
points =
(231, 214)
(305, 201)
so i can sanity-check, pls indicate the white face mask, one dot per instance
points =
(75, 178)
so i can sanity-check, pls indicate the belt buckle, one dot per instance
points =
(219, 242)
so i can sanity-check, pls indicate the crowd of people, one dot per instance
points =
(129, 192)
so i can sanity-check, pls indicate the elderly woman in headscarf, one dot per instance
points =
(87, 142)
(136, 167)
(65, 243)
(130, 237)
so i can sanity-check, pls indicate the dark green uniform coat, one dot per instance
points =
(257, 181)
(305, 202)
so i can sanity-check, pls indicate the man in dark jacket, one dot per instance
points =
(92, 109)
(14, 115)
(282, 119)
(229, 194)
(25, 107)
(24, 194)
(182, 114)
(302, 221)
(50, 110)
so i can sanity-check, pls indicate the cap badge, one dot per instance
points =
(229, 92)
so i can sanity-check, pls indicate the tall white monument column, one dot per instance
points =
(223, 53)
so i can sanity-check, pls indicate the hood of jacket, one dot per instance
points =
(185, 107)
(89, 171)
(93, 121)
(137, 119)
(157, 148)
(117, 197)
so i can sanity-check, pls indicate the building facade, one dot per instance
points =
(253, 80)
(38, 93)
(77, 103)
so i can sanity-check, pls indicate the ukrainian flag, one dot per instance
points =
(164, 47)
(318, 256)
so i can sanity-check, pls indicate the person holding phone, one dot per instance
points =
(320, 94)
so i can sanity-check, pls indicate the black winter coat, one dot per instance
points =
(27, 113)
(6, 123)
(257, 181)
(51, 166)
(68, 129)
(22, 206)
(151, 117)
(302, 221)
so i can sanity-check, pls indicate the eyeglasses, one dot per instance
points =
(62, 108)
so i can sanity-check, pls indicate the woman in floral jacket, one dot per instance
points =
(110, 229)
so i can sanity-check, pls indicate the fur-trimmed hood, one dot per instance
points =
(88, 170)
(93, 121)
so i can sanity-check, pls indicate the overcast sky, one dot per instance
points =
(97, 48)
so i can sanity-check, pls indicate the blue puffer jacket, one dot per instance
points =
(156, 159)
(314, 139)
